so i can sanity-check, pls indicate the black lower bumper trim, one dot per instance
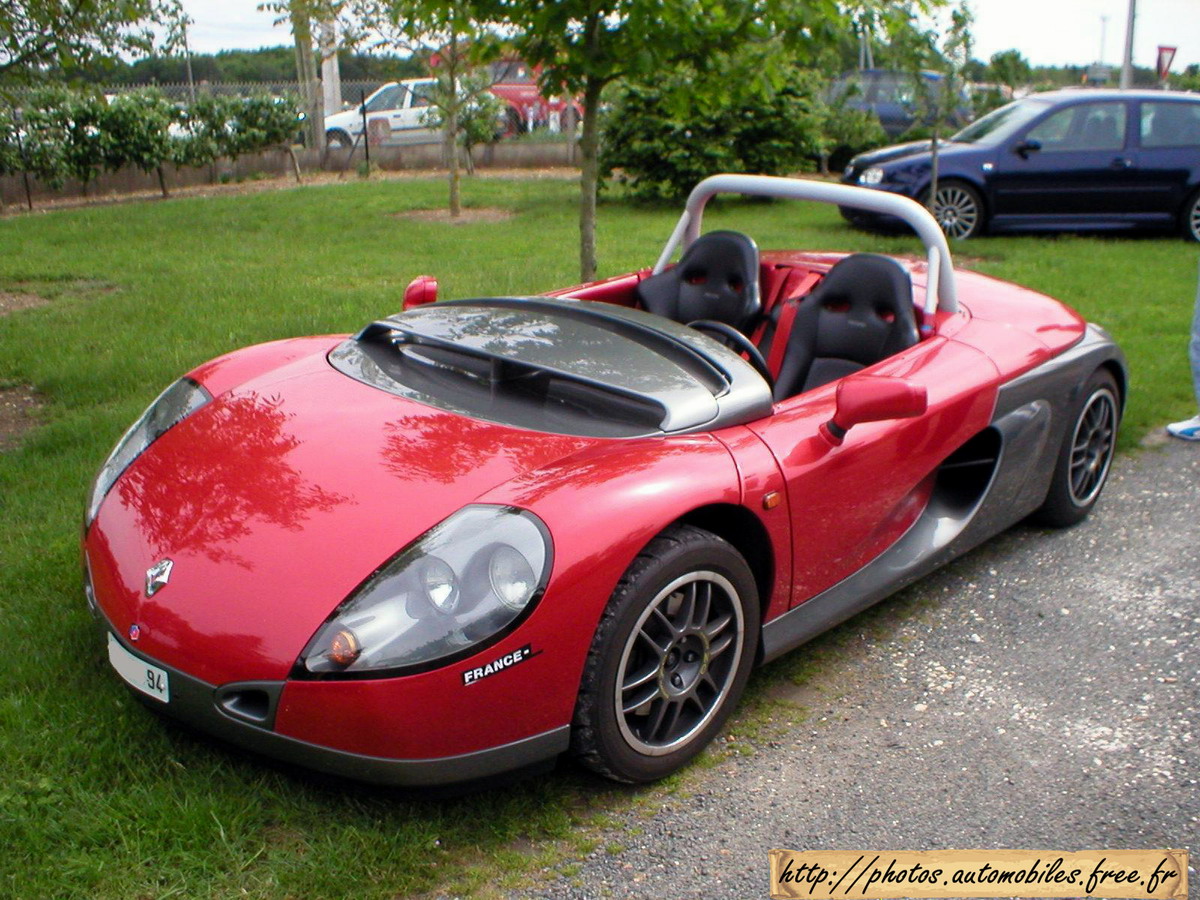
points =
(198, 704)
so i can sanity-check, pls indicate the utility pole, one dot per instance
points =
(1127, 63)
(1103, 38)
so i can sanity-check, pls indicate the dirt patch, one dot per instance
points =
(466, 217)
(11, 302)
(285, 182)
(17, 407)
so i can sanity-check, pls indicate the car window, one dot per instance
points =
(1170, 124)
(1000, 123)
(422, 93)
(390, 98)
(1084, 126)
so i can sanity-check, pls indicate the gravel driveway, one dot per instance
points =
(1040, 693)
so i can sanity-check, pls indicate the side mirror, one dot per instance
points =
(1027, 146)
(421, 290)
(872, 398)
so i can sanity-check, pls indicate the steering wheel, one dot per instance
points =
(738, 342)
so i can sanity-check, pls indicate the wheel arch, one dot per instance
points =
(977, 185)
(742, 529)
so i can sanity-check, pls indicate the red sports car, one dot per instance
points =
(480, 534)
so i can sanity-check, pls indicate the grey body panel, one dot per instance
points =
(558, 365)
(1030, 422)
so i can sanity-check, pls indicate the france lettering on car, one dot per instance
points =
(470, 676)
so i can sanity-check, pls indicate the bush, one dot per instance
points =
(846, 132)
(63, 136)
(69, 134)
(135, 130)
(658, 145)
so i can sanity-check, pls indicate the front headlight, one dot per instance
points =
(173, 405)
(871, 176)
(465, 583)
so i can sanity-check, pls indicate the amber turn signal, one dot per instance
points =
(344, 648)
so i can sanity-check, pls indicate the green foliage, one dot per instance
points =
(845, 132)
(70, 134)
(258, 122)
(35, 34)
(10, 148)
(63, 135)
(134, 130)
(1010, 68)
(479, 113)
(660, 146)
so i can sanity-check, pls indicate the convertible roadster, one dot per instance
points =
(480, 534)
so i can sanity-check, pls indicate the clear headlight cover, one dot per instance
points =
(871, 176)
(463, 584)
(173, 405)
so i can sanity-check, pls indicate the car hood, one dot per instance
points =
(905, 151)
(275, 501)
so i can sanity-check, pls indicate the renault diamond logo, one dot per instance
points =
(157, 576)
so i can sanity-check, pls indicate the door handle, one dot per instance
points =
(1122, 162)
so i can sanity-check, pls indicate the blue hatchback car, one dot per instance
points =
(1063, 160)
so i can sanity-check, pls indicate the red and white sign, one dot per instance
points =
(1165, 57)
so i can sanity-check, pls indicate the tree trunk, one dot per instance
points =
(306, 76)
(589, 178)
(162, 182)
(450, 139)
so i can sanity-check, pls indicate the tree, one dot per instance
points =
(1010, 68)
(662, 147)
(454, 39)
(584, 45)
(36, 34)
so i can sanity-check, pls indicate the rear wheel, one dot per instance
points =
(1086, 454)
(1191, 218)
(958, 208)
(670, 658)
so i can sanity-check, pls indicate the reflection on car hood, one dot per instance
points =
(285, 494)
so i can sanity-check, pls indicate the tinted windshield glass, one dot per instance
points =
(1000, 124)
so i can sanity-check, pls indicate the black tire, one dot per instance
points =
(1191, 218)
(670, 657)
(336, 139)
(958, 208)
(1086, 454)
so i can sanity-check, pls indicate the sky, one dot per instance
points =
(1046, 32)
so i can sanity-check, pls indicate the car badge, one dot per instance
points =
(157, 576)
(135, 631)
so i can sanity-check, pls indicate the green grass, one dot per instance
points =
(99, 799)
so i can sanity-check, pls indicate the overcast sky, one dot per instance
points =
(1047, 32)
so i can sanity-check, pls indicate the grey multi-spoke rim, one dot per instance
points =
(679, 662)
(1092, 446)
(956, 210)
(1193, 222)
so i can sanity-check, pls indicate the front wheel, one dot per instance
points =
(670, 657)
(1086, 454)
(337, 139)
(1191, 218)
(958, 209)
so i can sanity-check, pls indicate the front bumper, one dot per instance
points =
(244, 714)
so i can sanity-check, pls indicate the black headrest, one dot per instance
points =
(860, 313)
(717, 278)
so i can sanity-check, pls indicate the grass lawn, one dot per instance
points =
(99, 799)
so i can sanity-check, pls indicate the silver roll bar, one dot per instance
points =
(940, 293)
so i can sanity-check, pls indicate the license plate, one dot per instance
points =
(138, 673)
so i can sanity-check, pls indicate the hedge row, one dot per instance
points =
(57, 134)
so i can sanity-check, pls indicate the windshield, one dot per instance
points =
(998, 125)
(559, 366)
